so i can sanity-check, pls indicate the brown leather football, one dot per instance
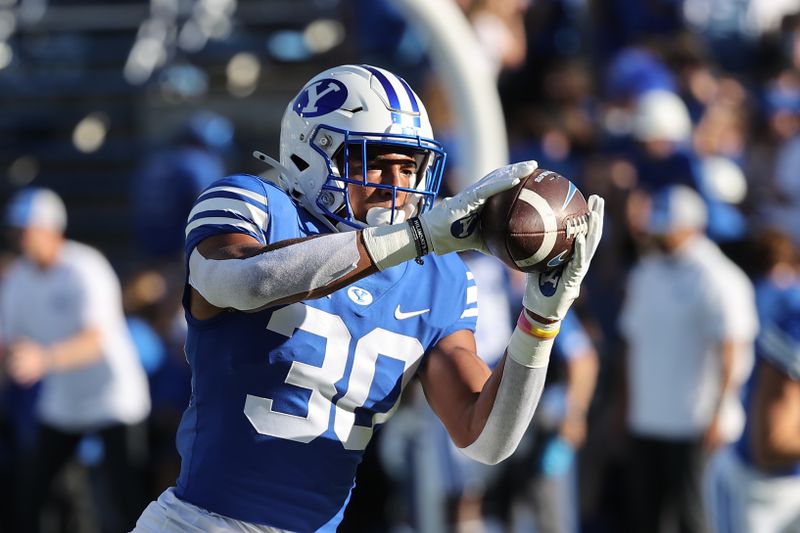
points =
(532, 226)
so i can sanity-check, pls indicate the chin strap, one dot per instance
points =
(274, 163)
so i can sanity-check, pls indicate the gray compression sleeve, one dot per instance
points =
(517, 396)
(252, 283)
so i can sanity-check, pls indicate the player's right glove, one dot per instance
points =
(453, 224)
(550, 294)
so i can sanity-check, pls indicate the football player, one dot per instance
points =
(308, 313)
(754, 485)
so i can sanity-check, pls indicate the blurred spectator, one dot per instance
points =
(63, 325)
(784, 211)
(727, 29)
(153, 313)
(689, 320)
(770, 170)
(661, 122)
(755, 485)
(142, 300)
(165, 188)
(500, 28)
(633, 21)
(634, 71)
(724, 187)
(661, 131)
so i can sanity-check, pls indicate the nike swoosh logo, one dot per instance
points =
(557, 260)
(399, 315)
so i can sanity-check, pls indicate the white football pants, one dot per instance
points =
(170, 514)
(741, 499)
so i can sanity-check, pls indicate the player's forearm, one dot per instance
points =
(517, 395)
(250, 277)
(79, 350)
(511, 412)
(362, 268)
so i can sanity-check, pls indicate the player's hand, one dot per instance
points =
(27, 362)
(713, 438)
(453, 224)
(550, 294)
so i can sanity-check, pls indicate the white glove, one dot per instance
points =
(453, 224)
(550, 294)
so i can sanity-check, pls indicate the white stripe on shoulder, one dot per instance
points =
(472, 294)
(472, 311)
(470, 275)
(781, 349)
(211, 221)
(238, 190)
(255, 213)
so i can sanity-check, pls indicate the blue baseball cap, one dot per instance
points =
(36, 207)
(634, 71)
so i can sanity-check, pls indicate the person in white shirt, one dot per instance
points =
(63, 326)
(689, 321)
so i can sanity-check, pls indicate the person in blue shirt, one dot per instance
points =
(312, 302)
(169, 179)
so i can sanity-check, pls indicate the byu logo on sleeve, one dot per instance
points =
(321, 98)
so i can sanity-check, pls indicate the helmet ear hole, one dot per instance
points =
(299, 162)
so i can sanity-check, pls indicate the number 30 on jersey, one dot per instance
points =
(321, 380)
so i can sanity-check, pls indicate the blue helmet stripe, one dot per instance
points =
(391, 94)
(410, 93)
(413, 98)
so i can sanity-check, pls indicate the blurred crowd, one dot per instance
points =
(673, 382)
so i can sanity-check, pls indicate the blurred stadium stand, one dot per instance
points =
(66, 86)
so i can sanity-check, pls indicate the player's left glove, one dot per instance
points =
(453, 224)
(550, 294)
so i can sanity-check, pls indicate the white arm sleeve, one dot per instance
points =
(251, 283)
(517, 397)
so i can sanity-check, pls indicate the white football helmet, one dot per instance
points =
(352, 108)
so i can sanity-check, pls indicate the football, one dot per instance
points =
(532, 226)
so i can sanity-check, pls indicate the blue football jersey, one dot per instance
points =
(284, 401)
(778, 344)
